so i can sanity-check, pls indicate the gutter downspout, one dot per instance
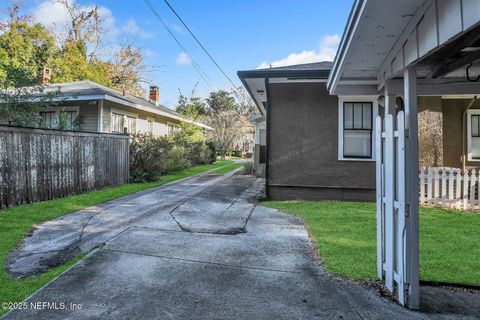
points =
(267, 142)
(464, 133)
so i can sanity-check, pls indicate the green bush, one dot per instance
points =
(236, 153)
(212, 151)
(177, 160)
(149, 157)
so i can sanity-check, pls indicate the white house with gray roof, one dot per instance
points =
(102, 109)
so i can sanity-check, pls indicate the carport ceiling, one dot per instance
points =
(375, 34)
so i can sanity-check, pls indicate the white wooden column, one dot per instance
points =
(411, 192)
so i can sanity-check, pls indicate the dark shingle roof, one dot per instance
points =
(323, 65)
(306, 70)
(88, 88)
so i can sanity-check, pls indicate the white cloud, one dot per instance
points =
(133, 29)
(183, 59)
(325, 52)
(55, 17)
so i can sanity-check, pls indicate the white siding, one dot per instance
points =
(471, 12)
(142, 125)
(89, 117)
(449, 19)
(160, 129)
(427, 31)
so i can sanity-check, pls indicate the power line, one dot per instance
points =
(194, 63)
(202, 46)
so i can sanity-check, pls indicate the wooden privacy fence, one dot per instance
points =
(38, 164)
(449, 188)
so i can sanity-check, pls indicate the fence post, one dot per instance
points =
(436, 186)
(429, 185)
(444, 187)
(422, 185)
(465, 189)
(450, 188)
(473, 178)
(458, 188)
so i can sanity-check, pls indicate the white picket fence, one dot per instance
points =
(449, 188)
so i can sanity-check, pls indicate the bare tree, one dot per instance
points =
(126, 70)
(229, 120)
(85, 24)
(430, 133)
(12, 13)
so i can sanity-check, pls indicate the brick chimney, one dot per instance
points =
(154, 95)
(44, 75)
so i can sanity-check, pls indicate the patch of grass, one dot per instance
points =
(16, 222)
(346, 239)
(228, 168)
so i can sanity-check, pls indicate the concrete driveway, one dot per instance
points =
(200, 249)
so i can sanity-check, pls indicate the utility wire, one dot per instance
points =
(202, 46)
(194, 63)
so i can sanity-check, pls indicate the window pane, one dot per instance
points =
(475, 126)
(348, 115)
(357, 116)
(117, 123)
(476, 147)
(356, 143)
(367, 116)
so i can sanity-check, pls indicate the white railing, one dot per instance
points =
(449, 188)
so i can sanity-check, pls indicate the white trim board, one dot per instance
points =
(470, 112)
(341, 100)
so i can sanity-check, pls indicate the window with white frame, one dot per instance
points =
(150, 126)
(51, 119)
(356, 129)
(118, 122)
(473, 135)
(131, 124)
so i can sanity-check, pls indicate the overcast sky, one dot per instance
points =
(240, 34)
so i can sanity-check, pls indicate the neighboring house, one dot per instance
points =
(101, 109)
(449, 131)
(320, 146)
(259, 151)
(314, 145)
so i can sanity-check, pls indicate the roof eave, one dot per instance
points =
(352, 23)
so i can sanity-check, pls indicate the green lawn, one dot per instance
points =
(228, 168)
(345, 236)
(16, 222)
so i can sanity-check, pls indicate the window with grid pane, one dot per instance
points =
(357, 130)
(117, 122)
(475, 135)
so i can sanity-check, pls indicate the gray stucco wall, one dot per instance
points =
(304, 148)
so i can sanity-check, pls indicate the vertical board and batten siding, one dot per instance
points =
(37, 164)
(435, 23)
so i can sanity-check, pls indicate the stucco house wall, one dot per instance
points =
(303, 147)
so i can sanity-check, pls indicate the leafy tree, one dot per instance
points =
(27, 47)
(192, 106)
(24, 49)
(72, 65)
(22, 97)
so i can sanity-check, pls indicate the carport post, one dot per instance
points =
(411, 185)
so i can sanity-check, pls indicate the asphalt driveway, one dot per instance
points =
(198, 249)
